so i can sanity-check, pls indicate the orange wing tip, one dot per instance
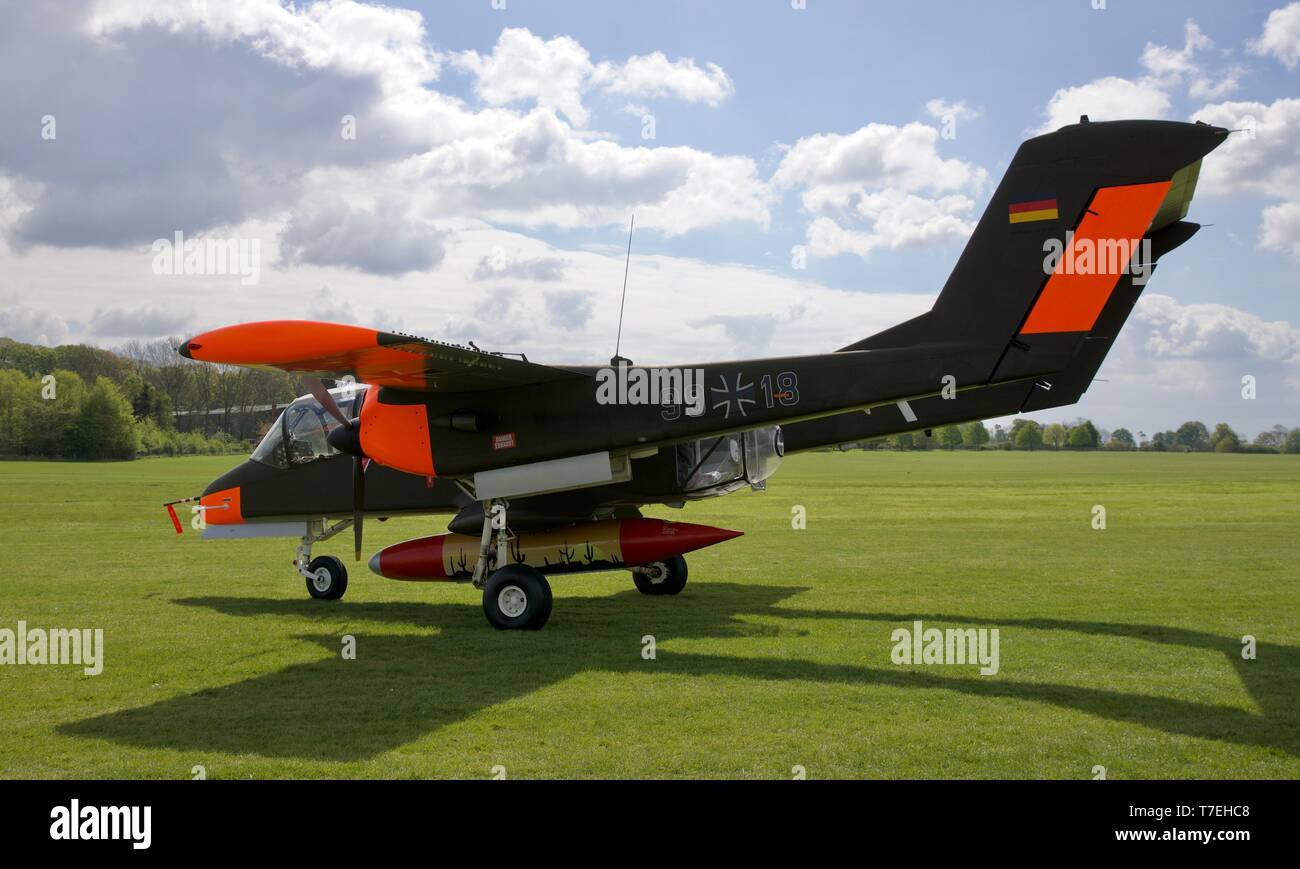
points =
(278, 342)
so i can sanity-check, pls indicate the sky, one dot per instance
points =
(802, 174)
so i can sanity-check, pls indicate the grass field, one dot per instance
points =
(1118, 647)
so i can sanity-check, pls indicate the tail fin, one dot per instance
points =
(1105, 184)
(1104, 181)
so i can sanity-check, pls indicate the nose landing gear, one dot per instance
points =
(329, 578)
(326, 577)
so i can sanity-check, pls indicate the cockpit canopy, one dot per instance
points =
(300, 434)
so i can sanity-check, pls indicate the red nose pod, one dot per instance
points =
(646, 540)
(419, 559)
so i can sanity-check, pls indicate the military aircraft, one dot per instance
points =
(546, 467)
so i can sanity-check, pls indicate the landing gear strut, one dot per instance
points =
(516, 597)
(661, 577)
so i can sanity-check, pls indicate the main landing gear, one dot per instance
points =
(661, 577)
(516, 597)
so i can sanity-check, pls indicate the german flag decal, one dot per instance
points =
(1030, 210)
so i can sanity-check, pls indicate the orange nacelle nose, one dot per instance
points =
(397, 435)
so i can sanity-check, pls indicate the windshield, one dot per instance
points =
(300, 434)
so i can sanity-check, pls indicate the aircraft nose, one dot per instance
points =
(243, 475)
(237, 494)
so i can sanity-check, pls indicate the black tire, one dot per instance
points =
(329, 580)
(517, 598)
(661, 577)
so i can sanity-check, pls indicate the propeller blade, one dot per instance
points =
(358, 501)
(321, 394)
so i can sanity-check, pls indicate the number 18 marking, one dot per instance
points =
(786, 392)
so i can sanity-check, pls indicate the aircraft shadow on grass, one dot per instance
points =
(402, 686)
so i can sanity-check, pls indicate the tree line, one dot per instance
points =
(77, 401)
(1083, 434)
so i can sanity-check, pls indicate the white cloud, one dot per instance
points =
(864, 189)
(568, 308)
(1170, 67)
(1212, 332)
(1281, 36)
(653, 76)
(1265, 161)
(503, 264)
(30, 325)
(876, 155)
(1279, 228)
(420, 157)
(533, 171)
(896, 220)
(13, 206)
(555, 73)
(941, 110)
(1149, 96)
(326, 231)
(357, 38)
(1170, 64)
(329, 307)
(148, 319)
(1106, 99)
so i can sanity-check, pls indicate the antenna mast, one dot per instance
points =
(619, 340)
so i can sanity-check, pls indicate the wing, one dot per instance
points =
(371, 356)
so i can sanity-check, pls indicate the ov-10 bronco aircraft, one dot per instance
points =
(545, 467)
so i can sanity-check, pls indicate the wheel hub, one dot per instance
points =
(321, 580)
(512, 601)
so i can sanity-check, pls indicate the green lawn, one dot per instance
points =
(1119, 647)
